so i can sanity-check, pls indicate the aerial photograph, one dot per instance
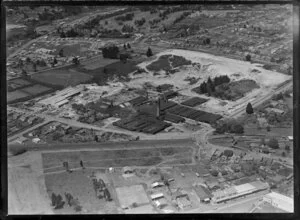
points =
(150, 109)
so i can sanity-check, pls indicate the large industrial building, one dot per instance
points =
(62, 97)
(238, 191)
(280, 201)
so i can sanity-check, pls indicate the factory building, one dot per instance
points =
(280, 201)
(61, 98)
(238, 191)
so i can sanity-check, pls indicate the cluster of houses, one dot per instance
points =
(17, 122)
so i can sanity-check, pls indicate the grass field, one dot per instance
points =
(35, 89)
(62, 77)
(111, 158)
(94, 64)
(116, 69)
(12, 96)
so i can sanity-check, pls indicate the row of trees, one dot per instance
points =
(58, 203)
(229, 126)
(181, 17)
(210, 85)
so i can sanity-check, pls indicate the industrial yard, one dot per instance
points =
(143, 109)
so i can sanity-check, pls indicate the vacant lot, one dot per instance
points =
(36, 89)
(62, 77)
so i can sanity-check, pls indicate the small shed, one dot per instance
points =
(157, 196)
(128, 170)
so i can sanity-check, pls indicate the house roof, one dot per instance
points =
(202, 192)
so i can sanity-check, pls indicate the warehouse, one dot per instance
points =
(238, 191)
(280, 201)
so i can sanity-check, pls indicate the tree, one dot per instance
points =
(248, 57)
(214, 173)
(63, 35)
(54, 61)
(61, 52)
(283, 154)
(249, 109)
(125, 46)
(24, 73)
(28, 60)
(34, 66)
(268, 128)
(273, 143)
(75, 60)
(128, 46)
(149, 52)
(287, 147)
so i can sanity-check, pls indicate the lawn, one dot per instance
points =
(62, 77)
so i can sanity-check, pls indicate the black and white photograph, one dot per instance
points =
(150, 109)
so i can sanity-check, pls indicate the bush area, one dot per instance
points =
(164, 62)
(226, 90)
(229, 126)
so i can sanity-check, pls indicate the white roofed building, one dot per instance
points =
(280, 201)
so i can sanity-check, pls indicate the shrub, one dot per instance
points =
(249, 108)
(17, 149)
(273, 143)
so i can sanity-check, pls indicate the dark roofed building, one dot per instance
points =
(203, 194)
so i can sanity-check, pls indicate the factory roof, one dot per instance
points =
(247, 187)
(280, 197)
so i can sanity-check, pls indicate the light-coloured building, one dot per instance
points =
(61, 97)
(157, 196)
(280, 201)
(238, 191)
